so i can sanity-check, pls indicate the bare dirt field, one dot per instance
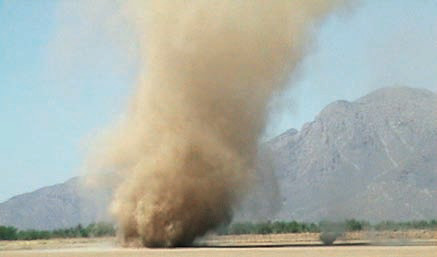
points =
(393, 244)
(314, 251)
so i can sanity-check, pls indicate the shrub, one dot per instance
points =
(355, 225)
(8, 233)
(277, 227)
(32, 234)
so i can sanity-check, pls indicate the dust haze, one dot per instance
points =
(184, 154)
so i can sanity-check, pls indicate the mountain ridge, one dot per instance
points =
(335, 161)
(374, 158)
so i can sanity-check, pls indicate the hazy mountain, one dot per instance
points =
(373, 159)
(61, 205)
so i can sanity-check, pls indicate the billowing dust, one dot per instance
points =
(183, 155)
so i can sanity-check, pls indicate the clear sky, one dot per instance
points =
(63, 77)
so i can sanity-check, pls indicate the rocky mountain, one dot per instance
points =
(374, 159)
(57, 206)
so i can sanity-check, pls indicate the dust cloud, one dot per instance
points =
(184, 154)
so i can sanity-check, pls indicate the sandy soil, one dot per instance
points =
(410, 237)
(314, 251)
(390, 244)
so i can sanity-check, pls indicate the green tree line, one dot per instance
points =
(93, 230)
(277, 227)
(280, 227)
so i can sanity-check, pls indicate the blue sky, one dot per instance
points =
(63, 77)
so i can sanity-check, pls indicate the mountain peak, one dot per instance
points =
(397, 94)
(374, 159)
(352, 161)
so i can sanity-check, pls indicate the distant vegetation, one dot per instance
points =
(279, 227)
(326, 228)
(93, 230)
(329, 231)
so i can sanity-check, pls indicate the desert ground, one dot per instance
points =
(359, 244)
(353, 251)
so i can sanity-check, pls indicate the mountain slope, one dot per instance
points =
(58, 206)
(374, 158)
